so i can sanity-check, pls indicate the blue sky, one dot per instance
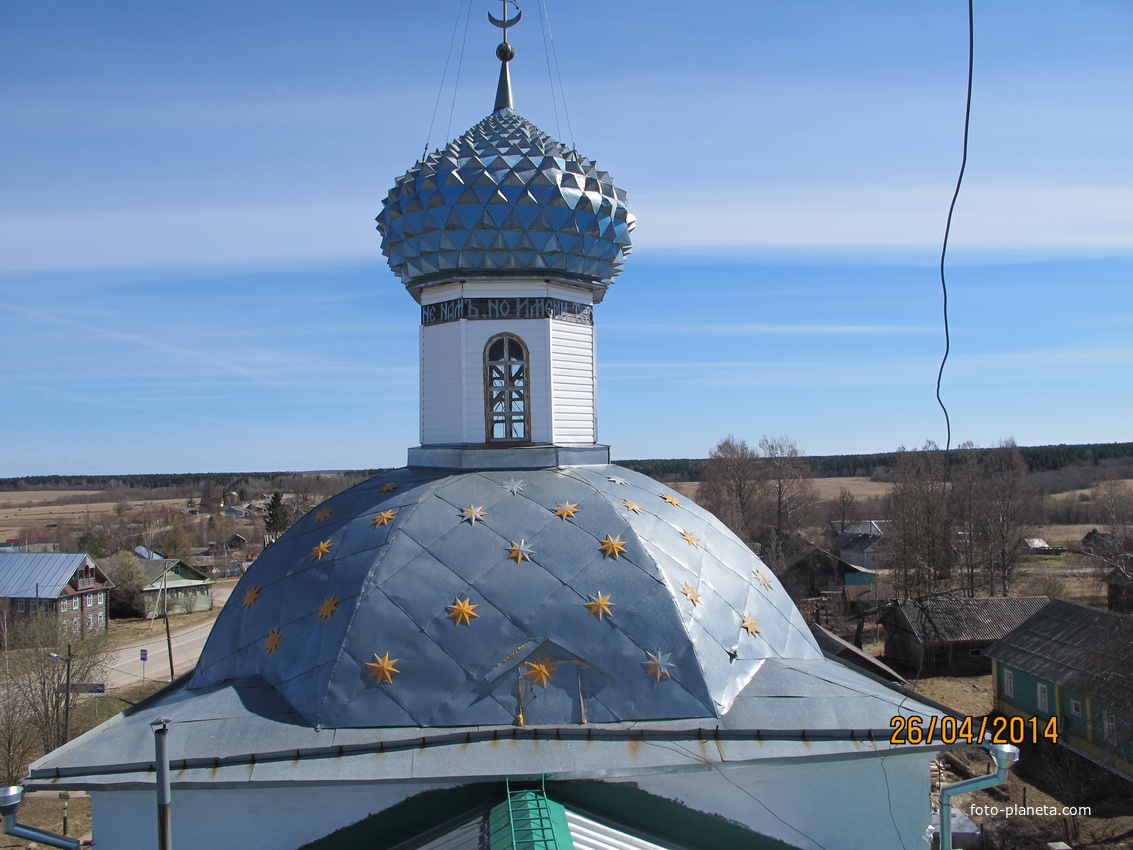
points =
(190, 279)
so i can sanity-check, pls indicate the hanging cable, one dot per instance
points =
(459, 66)
(948, 224)
(558, 72)
(444, 74)
(547, 56)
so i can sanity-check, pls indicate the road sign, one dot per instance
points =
(145, 654)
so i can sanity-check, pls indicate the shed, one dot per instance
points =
(947, 634)
(1119, 590)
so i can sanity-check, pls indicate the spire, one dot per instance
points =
(505, 52)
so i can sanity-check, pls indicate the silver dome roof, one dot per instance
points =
(505, 198)
(577, 594)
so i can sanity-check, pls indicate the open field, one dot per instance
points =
(860, 488)
(31, 497)
(13, 520)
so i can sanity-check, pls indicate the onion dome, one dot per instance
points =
(505, 199)
(572, 595)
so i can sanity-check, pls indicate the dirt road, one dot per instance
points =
(127, 668)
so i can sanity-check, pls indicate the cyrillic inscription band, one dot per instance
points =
(507, 308)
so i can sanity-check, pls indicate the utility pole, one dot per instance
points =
(168, 638)
(67, 697)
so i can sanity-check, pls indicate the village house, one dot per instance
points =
(1074, 663)
(70, 586)
(175, 586)
(1119, 590)
(941, 633)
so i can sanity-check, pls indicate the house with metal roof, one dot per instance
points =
(509, 642)
(1073, 664)
(175, 587)
(70, 586)
(945, 633)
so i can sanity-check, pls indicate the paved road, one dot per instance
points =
(126, 666)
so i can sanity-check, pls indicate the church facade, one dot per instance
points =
(510, 642)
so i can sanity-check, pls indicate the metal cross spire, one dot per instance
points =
(505, 52)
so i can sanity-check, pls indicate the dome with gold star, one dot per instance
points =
(549, 596)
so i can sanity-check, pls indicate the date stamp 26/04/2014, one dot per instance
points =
(948, 730)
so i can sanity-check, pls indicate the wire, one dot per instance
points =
(547, 56)
(559, 74)
(948, 224)
(459, 66)
(444, 73)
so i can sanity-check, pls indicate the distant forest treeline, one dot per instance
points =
(1038, 458)
(177, 484)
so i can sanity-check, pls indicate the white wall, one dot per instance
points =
(561, 371)
(573, 401)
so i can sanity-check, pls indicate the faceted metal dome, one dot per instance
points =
(576, 594)
(502, 199)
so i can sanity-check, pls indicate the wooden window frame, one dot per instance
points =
(499, 381)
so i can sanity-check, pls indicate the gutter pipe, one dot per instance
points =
(10, 799)
(1005, 755)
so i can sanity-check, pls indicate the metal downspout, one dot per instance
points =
(10, 799)
(1005, 755)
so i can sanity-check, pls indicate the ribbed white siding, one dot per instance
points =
(588, 834)
(572, 383)
(442, 384)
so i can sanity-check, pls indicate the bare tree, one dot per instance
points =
(1010, 509)
(843, 510)
(1115, 499)
(921, 550)
(40, 679)
(787, 495)
(764, 495)
(729, 485)
(17, 734)
(966, 497)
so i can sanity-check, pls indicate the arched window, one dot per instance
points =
(505, 389)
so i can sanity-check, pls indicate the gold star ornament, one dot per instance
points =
(382, 669)
(273, 640)
(471, 514)
(612, 547)
(390, 486)
(671, 499)
(565, 510)
(599, 605)
(461, 611)
(632, 507)
(657, 664)
(251, 596)
(749, 625)
(541, 670)
(691, 592)
(520, 552)
(324, 514)
(328, 608)
(691, 539)
(383, 519)
(321, 549)
(762, 578)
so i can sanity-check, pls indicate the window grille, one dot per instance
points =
(506, 389)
